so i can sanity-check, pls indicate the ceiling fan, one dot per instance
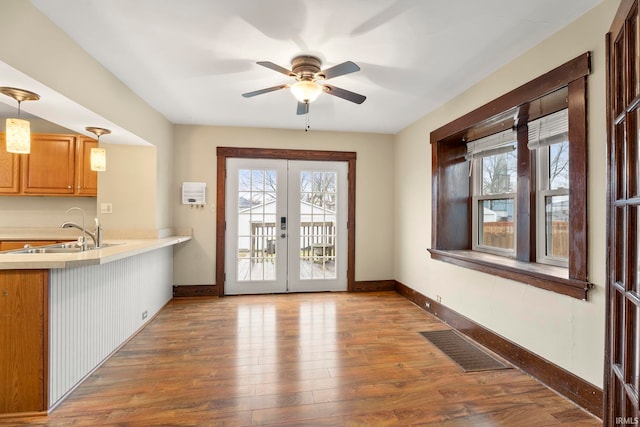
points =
(310, 81)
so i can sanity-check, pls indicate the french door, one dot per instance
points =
(286, 226)
(622, 369)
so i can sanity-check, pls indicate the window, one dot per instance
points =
(549, 139)
(493, 173)
(510, 203)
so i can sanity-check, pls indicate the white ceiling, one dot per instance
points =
(192, 59)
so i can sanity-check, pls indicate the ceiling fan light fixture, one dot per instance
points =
(306, 91)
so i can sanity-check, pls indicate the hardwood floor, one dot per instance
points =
(327, 359)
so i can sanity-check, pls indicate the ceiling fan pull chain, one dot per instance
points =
(307, 124)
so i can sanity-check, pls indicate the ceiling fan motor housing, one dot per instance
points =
(306, 67)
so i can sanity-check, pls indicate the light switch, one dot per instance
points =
(106, 208)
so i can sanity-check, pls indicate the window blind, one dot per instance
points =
(551, 129)
(491, 145)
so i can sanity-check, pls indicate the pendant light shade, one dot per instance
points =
(18, 134)
(98, 159)
(18, 131)
(98, 155)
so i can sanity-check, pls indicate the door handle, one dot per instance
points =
(283, 235)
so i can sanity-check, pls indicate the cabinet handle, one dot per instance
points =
(69, 187)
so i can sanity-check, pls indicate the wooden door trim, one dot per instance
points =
(271, 153)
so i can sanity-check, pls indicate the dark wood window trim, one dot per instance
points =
(266, 153)
(451, 209)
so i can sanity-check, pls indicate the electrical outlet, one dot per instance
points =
(144, 314)
(427, 304)
(438, 298)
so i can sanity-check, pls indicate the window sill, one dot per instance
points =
(548, 277)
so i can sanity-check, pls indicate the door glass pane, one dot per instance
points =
(256, 224)
(318, 207)
(633, 153)
(632, 25)
(557, 226)
(618, 70)
(633, 254)
(633, 335)
(619, 273)
(497, 226)
(621, 163)
(618, 328)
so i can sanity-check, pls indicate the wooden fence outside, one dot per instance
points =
(500, 234)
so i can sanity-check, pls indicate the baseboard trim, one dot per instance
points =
(187, 291)
(183, 291)
(567, 384)
(374, 285)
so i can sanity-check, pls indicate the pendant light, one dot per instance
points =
(98, 155)
(18, 131)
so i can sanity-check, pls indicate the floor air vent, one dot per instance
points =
(468, 356)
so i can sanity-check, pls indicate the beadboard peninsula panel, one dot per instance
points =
(94, 309)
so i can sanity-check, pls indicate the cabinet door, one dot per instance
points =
(23, 340)
(9, 170)
(87, 179)
(49, 168)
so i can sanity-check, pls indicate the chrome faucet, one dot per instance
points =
(96, 236)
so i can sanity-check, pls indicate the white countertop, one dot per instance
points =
(121, 248)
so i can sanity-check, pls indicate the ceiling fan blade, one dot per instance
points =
(275, 67)
(340, 70)
(344, 94)
(266, 90)
(303, 108)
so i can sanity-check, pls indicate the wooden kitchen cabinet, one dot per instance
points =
(58, 165)
(9, 171)
(23, 340)
(86, 179)
(50, 167)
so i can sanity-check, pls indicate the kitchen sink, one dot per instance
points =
(46, 250)
(58, 248)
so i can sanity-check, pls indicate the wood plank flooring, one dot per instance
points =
(326, 359)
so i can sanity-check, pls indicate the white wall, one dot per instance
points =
(129, 185)
(195, 160)
(43, 212)
(566, 331)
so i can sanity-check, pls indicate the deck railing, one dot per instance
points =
(264, 237)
